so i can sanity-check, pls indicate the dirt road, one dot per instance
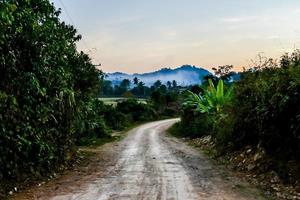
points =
(147, 164)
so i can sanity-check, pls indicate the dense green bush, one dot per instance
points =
(205, 112)
(267, 110)
(165, 102)
(264, 110)
(114, 119)
(194, 124)
(91, 122)
(45, 89)
(136, 111)
(47, 92)
(222, 132)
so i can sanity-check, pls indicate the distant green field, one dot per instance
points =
(113, 101)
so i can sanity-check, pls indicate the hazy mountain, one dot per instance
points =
(184, 75)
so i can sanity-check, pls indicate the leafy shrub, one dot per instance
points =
(92, 123)
(222, 129)
(45, 87)
(136, 111)
(264, 110)
(114, 119)
(166, 103)
(205, 113)
(267, 109)
(195, 124)
(212, 100)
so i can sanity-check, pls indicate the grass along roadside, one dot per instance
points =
(115, 100)
(94, 142)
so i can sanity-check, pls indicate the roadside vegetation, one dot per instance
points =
(47, 91)
(49, 95)
(259, 112)
(53, 99)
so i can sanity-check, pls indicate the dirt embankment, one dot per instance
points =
(256, 167)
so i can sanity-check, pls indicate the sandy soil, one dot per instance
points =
(147, 164)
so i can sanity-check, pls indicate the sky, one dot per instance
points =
(145, 35)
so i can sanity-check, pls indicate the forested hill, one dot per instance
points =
(184, 75)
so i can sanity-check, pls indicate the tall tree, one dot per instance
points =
(157, 84)
(174, 84)
(45, 87)
(169, 84)
(141, 88)
(163, 88)
(224, 72)
(125, 84)
(107, 88)
(136, 81)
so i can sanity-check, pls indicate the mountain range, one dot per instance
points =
(184, 75)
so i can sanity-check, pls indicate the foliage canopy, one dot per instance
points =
(45, 87)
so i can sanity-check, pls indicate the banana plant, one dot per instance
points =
(212, 100)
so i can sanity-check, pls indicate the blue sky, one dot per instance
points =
(145, 35)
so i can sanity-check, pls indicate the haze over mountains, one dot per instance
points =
(184, 75)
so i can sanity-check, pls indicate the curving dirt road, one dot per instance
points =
(145, 165)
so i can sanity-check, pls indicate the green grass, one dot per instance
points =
(95, 142)
(114, 100)
(175, 130)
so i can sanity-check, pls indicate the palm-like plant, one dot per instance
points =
(213, 99)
